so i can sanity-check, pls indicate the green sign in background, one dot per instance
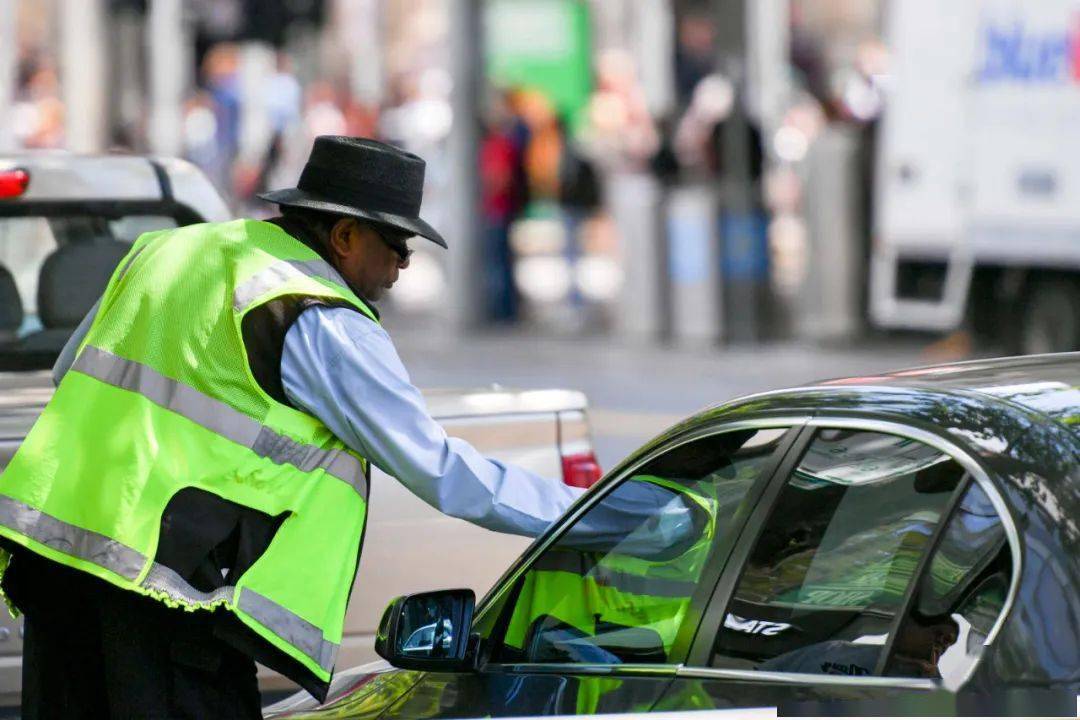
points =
(542, 45)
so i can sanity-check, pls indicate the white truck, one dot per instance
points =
(66, 220)
(977, 187)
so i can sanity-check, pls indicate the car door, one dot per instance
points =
(876, 569)
(602, 611)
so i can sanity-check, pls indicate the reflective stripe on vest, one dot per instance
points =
(128, 563)
(130, 259)
(70, 540)
(219, 417)
(281, 272)
(289, 626)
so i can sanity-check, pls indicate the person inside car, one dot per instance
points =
(916, 652)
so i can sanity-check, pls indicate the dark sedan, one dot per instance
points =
(905, 543)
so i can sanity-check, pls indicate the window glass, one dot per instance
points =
(52, 270)
(24, 245)
(830, 569)
(617, 585)
(960, 596)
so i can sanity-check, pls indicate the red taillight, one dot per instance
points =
(13, 182)
(580, 470)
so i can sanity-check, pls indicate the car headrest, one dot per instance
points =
(73, 278)
(11, 307)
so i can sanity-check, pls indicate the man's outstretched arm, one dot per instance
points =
(342, 368)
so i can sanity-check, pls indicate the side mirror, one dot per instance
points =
(427, 631)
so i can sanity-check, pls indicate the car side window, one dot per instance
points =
(960, 596)
(831, 567)
(617, 584)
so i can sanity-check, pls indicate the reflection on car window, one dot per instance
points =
(617, 585)
(52, 270)
(959, 598)
(831, 567)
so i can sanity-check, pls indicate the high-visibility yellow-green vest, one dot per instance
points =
(160, 399)
(582, 589)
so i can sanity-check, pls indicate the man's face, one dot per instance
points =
(923, 644)
(367, 263)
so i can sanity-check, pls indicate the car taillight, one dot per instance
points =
(580, 470)
(13, 182)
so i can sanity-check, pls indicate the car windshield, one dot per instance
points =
(52, 270)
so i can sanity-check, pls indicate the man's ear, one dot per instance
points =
(343, 237)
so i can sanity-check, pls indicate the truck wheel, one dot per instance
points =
(1050, 318)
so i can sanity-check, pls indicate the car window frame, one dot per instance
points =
(794, 427)
(701, 651)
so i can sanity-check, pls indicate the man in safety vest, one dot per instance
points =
(193, 497)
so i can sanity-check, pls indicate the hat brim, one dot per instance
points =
(294, 197)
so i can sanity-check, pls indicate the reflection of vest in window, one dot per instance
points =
(161, 401)
(596, 593)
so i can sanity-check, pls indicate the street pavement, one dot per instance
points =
(636, 390)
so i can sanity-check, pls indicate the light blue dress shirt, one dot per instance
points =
(341, 367)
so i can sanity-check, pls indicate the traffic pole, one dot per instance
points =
(9, 55)
(739, 232)
(82, 73)
(170, 62)
(465, 260)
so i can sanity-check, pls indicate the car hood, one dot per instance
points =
(364, 691)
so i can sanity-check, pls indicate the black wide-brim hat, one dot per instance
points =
(361, 178)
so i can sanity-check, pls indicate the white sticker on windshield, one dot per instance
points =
(754, 627)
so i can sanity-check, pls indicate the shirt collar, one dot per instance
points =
(301, 231)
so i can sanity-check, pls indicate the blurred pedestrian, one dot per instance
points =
(544, 149)
(282, 101)
(38, 115)
(220, 94)
(200, 133)
(579, 197)
(247, 383)
(503, 194)
(619, 128)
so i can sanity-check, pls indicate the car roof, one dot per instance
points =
(1047, 384)
(58, 175)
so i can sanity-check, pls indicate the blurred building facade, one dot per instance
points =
(604, 135)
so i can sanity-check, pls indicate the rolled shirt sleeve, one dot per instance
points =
(341, 367)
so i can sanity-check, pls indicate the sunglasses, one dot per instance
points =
(395, 240)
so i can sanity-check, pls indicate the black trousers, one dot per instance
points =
(92, 650)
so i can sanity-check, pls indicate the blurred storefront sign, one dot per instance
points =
(541, 45)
